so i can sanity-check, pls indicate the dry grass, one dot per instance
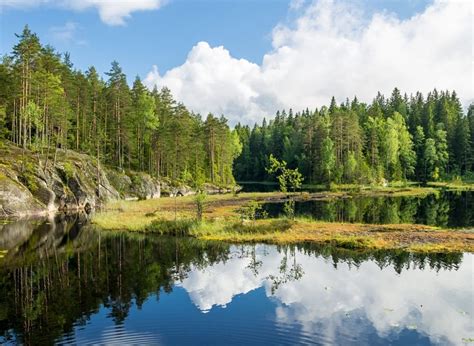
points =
(221, 223)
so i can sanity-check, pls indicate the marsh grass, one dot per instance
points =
(456, 184)
(270, 226)
(221, 222)
(180, 227)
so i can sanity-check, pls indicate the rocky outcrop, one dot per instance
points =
(30, 186)
(212, 189)
(134, 185)
(168, 190)
(16, 199)
(185, 190)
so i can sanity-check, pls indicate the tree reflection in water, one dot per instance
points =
(443, 209)
(59, 272)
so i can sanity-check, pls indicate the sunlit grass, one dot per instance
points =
(221, 222)
(454, 185)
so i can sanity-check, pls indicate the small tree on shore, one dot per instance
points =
(200, 200)
(287, 178)
(251, 211)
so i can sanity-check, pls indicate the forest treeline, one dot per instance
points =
(401, 137)
(46, 103)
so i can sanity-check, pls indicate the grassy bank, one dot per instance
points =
(453, 185)
(221, 222)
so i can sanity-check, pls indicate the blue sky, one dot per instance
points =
(248, 58)
(164, 36)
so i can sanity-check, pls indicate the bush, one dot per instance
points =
(251, 211)
(199, 199)
(68, 170)
(173, 228)
(260, 228)
(289, 209)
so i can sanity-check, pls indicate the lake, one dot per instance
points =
(62, 281)
(453, 209)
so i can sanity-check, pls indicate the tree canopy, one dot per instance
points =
(46, 103)
(392, 139)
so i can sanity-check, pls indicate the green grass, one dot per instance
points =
(453, 185)
(180, 227)
(221, 222)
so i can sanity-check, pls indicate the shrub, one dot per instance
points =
(260, 228)
(199, 199)
(68, 170)
(289, 209)
(175, 228)
(251, 211)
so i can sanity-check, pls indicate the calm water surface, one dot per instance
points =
(64, 282)
(454, 209)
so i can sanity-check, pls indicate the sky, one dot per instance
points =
(248, 58)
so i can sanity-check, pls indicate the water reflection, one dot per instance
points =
(444, 209)
(64, 281)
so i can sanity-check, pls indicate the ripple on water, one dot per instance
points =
(194, 332)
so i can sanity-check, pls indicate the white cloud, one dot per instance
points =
(111, 12)
(114, 12)
(326, 301)
(296, 4)
(331, 49)
(212, 80)
(64, 33)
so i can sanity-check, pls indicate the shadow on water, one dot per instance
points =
(59, 273)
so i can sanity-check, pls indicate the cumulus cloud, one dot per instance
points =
(333, 48)
(111, 12)
(325, 300)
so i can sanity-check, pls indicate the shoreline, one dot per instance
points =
(221, 222)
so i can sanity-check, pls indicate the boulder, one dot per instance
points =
(17, 200)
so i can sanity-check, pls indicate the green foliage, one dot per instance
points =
(199, 200)
(279, 225)
(3, 123)
(182, 227)
(251, 211)
(289, 209)
(68, 170)
(287, 178)
(363, 143)
(149, 131)
(28, 175)
(328, 160)
(132, 128)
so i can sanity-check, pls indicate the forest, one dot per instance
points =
(46, 105)
(399, 138)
